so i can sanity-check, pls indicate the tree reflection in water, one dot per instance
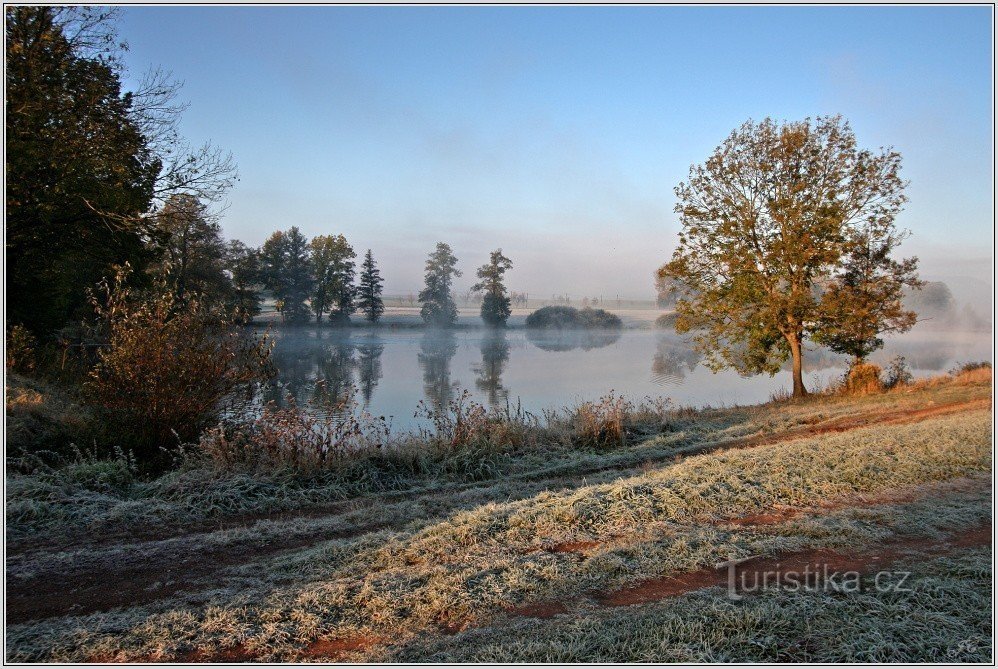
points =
(436, 349)
(495, 355)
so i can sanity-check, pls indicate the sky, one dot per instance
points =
(559, 133)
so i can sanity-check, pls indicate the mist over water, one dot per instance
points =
(390, 371)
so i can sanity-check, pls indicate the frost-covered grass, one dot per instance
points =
(93, 499)
(944, 616)
(465, 568)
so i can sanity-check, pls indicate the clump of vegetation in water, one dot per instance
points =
(567, 318)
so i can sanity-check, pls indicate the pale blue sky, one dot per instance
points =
(559, 133)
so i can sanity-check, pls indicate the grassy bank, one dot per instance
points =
(508, 454)
(437, 566)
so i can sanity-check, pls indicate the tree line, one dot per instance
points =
(99, 177)
(312, 279)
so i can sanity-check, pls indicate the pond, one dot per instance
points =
(389, 371)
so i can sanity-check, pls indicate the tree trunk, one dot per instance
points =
(798, 358)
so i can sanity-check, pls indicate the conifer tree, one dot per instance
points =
(369, 291)
(438, 307)
(495, 302)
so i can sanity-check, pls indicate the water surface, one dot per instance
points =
(390, 371)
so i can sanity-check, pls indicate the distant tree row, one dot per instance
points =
(316, 278)
(310, 278)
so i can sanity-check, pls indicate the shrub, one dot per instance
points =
(463, 422)
(43, 421)
(295, 438)
(20, 350)
(564, 318)
(898, 373)
(89, 471)
(970, 367)
(863, 378)
(166, 366)
(601, 424)
(972, 372)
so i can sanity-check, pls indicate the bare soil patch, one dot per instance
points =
(819, 562)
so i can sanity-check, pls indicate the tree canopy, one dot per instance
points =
(88, 164)
(79, 170)
(438, 303)
(769, 224)
(369, 300)
(286, 268)
(193, 250)
(333, 272)
(495, 302)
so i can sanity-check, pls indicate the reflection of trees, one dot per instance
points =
(334, 364)
(435, 352)
(313, 366)
(369, 368)
(495, 355)
(567, 340)
(673, 360)
(294, 358)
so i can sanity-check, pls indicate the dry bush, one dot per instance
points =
(601, 424)
(20, 350)
(972, 372)
(862, 379)
(295, 438)
(166, 366)
(463, 422)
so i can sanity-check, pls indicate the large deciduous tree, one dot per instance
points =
(333, 269)
(438, 307)
(193, 250)
(769, 223)
(87, 163)
(369, 300)
(495, 300)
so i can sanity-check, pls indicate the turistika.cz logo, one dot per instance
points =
(743, 578)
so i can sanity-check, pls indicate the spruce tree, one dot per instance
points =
(369, 291)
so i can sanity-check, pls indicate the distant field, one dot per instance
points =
(555, 552)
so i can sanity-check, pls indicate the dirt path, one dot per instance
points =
(156, 575)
